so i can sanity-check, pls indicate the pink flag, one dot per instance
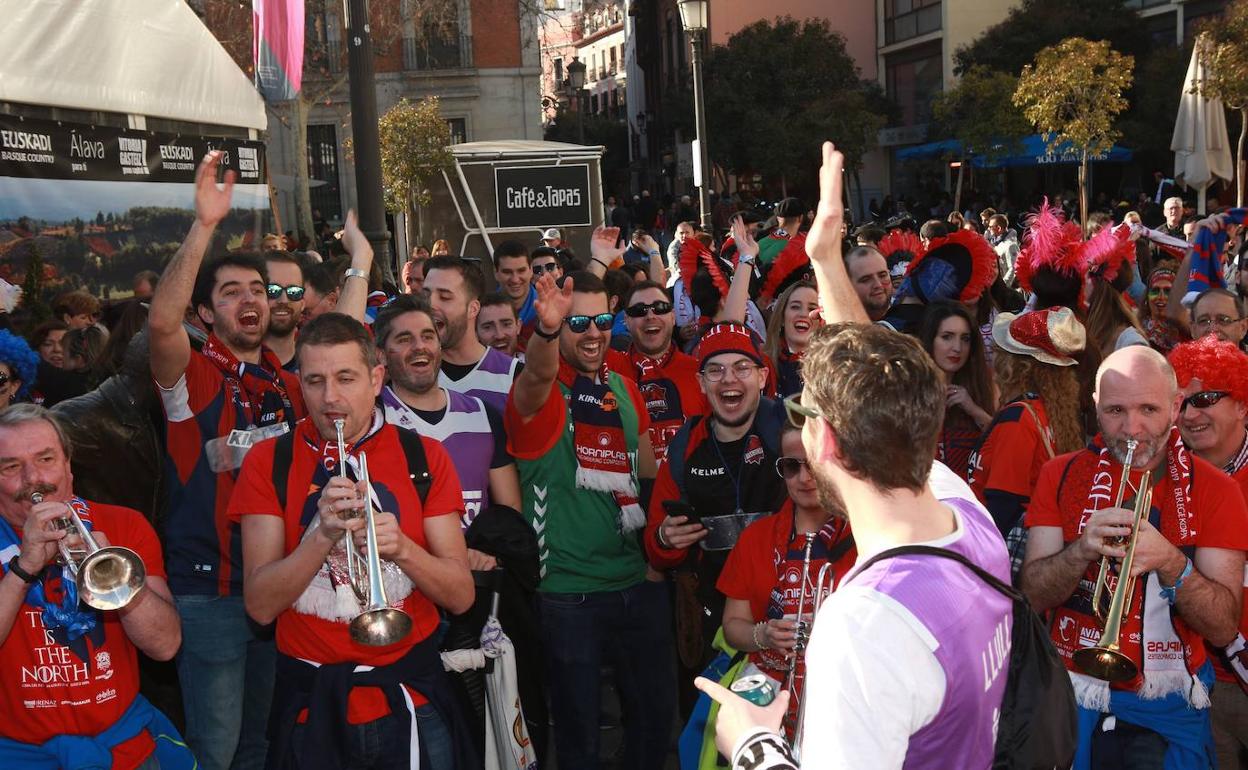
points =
(277, 47)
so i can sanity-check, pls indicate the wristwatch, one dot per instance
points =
(16, 569)
(537, 329)
(355, 272)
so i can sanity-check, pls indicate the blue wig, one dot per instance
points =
(21, 359)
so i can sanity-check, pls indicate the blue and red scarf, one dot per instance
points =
(1206, 269)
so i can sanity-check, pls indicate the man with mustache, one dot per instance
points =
(285, 292)
(498, 326)
(1189, 564)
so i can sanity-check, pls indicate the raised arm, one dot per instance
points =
(837, 300)
(541, 365)
(170, 347)
(353, 299)
(734, 307)
(602, 250)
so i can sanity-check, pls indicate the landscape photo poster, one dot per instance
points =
(91, 206)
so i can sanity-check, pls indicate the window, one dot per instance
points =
(558, 70)
(323, 167)
(612, 71)
(459, 130)
(1197, 13)
(1162, 28)
(914, 77)
(1145, 3)
(593, 104)
(904, 19)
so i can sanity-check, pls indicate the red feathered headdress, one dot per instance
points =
(789, 263)
(1105, 253)
(901, 246)
(693, 254)
(969, 253)
(1050, 242)
(1217, 364)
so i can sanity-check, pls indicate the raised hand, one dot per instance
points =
(823, 243)
(743, 238)
(647, 244)
(553, 303)
(353, 239)
(602, 245)
(212, 203)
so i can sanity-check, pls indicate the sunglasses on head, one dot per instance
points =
(789, 467)
(1203, 399)
(293, 293)
(639, 309)
(549, 267)
(579, 323)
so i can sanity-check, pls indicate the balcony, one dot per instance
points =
(437, 53)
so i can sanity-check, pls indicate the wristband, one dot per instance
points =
(654, 253)
(754, 633)
(1170, 593)
(537, 329)
(658, 536)
(599, 261)
(747, 259)
(355, 272)
(16, 569)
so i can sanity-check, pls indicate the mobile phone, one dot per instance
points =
(681, 508)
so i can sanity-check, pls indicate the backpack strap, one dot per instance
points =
(417, 463)
(1044, 435)
(927, 550)
(283, 450)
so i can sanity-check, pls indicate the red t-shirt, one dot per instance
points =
(318, 639)
(1012, 452)
(1220, 520)
(54, 687)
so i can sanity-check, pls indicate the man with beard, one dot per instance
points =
(1213, 381)
(579, 433)
(667, 378)
(868, 273)
(455, 288)
(497, 325)
(217, 403)
(471, 431)
(1188, 558)
(285, 292)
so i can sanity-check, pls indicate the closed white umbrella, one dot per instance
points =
(1202, 150)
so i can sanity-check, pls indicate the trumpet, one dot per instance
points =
(107, 578)
(378, 624)
(819, 591)
(1102, 576)
(802, 632)
(1106, 660)
(355, 562)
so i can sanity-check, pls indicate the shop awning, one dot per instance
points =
(1030, 151)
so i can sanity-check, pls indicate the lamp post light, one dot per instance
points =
(576, 82)
(693, 18)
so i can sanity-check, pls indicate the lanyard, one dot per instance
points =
(735, 478)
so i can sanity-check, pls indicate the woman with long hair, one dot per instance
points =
(440, 248)
(1162, 333)
(950, 336)
(1036, 367)
(788, 333)
(1111, 325)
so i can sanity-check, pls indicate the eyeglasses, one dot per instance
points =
(580, 323)
(799, 413)
(740, 370)
(1203, 399)
(638, 310)
(1222, 321)
(293, 293)
(549, 267)
(789, 467)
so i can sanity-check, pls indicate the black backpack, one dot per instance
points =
(1038, 726)
(417, 464)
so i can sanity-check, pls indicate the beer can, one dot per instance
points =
(757, 689)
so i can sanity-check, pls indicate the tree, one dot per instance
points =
(414, 148)
(979, 112)
(1226, 55)
(1072, 93)
(777, 90)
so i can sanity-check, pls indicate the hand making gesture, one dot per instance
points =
(212, 203)
(553, 303)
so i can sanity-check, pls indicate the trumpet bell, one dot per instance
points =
(1105, 663)
(380, 627)
(111, 578)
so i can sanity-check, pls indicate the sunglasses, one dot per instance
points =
(4, 380)
(1203, 399)
(293, 293)
(580, 323)
(639, 310)
(799, 413)
(789, 467)
(549, 267)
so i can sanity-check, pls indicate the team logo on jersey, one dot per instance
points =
(655, 396)
(604, 439)
(754, 450)
(103, 661)
(609, 403)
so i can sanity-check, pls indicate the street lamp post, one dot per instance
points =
(693, 18)
(576, 82)
(366, 140)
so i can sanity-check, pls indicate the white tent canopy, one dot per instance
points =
(153, 58)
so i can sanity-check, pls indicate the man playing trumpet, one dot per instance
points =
(1188, 557)
(339, 702)
(69, 676)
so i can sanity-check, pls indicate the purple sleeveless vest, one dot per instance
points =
(490, 381)
(465, 433)
(971, 623)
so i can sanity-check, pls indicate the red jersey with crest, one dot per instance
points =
(52, 686)
(669, 387)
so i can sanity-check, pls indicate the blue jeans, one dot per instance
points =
(384, 744)
(630, 629)
(226, 673)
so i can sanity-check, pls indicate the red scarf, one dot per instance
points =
(256, 388)
(649, 368)
(602, 458)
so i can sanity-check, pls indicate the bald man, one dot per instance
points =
(1189, 560)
